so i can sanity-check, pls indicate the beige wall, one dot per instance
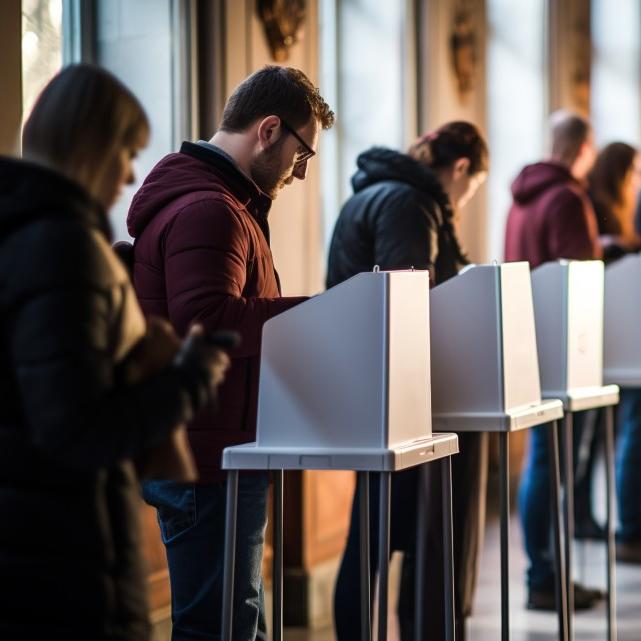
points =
(10, 80)
(439, 101)
(295, 219)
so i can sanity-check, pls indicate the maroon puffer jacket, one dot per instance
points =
(551, 217)
(202, 255)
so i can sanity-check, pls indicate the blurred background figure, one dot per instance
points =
(551, 218)
(614, 184)
(72, 420)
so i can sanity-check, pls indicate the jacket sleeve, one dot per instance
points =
(572, 230)
(76, 412)
(206, 260)
(405, 233)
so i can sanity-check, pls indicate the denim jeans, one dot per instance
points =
(535, 506)
(628, 465)
(192, 525)
(469, 476)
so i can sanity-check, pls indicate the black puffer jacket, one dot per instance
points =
(399, 217)
(69, 561)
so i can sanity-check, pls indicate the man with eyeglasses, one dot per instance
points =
(202, 254)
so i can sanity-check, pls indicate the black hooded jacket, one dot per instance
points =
(70, 564)
(398, 218)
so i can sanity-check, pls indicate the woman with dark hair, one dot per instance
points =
(402, 215)
(86, 386)
(614, 184)
(614, 187)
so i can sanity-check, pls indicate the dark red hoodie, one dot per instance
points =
(202, 254)
(551, 217)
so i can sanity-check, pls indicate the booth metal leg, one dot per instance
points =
(568, 455)
(230, 554)
(504, 474)
(610, 544)
(557, 520)
(422, 499)
(277, 567)
(363, 515)
(383, 553)
(448, 548)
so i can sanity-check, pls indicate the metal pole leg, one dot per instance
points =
(448, 548)
(421, 540)
(557, 519)
(611, 571)
(230, 554)
(504, 474)
(277, 568)
(383, 553)
(363, 515)
(568, 455)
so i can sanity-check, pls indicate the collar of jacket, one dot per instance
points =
(29, 191)
(379, 164)
(245, 190)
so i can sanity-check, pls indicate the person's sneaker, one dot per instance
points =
(584, 598)
(629, 552)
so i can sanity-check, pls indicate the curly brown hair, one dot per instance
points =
(281, 91)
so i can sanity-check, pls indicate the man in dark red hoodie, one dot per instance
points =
(551, 218)
(202, 254)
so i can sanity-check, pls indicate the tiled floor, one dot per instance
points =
(535, 626)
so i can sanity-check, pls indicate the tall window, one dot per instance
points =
(147, 44)
(364, 57)
(616, 71)
(42, 46)
(516, 102)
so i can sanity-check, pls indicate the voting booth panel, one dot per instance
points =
(349, 368)
(484, 356)
(483, 340)
(622, 344)
(568, 308)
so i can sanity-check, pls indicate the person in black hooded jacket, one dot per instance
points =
(402, 215)
(86, 387)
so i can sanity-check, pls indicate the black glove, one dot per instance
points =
(202, 363)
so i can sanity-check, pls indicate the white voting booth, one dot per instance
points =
(486, 378)
(345, 385)
(568, 309)
(345, 380)
(484, 356)
(622, 344)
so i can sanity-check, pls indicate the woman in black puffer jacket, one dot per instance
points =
(72, 342)
(401, 216)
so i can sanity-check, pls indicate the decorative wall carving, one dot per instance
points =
(463, 47)
(283, 22)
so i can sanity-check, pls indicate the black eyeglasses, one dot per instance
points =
(301, 156)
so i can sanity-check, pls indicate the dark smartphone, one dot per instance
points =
(224, 340)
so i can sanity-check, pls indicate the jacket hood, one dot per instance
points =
(537, 178)
(29, 191)
(193, 169)
(379, 164)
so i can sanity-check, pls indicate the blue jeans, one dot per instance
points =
(628, 465)
(535, 506)
(192, 524)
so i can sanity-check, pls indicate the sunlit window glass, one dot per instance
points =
(41, 46)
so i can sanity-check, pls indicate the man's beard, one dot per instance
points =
(266, 172)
